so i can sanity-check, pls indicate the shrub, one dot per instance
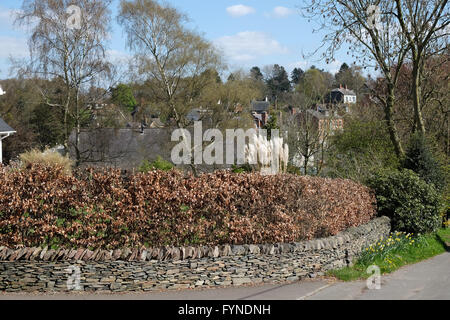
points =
(420, 159)
(104, 209)
(411, 203)
(158, 164)
(242, 168)
(294, 170)
(360, 150)
(48, 158)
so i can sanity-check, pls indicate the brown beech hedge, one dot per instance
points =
(103, 209)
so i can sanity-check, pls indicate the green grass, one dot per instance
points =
(394, 252)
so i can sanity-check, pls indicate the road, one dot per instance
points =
(422, 281)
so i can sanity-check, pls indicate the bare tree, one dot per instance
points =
(67, 44)
(373, 36)
(309, 131)
(167, 53)
(425, 26)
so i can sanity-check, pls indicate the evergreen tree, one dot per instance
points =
(278, 81)
(272, 124)
(256, 74)
(297, 75)
(122, 95)
(344, 67)
(420, 159)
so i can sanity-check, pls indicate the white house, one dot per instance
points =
(5, 131)
(342, 95)
(1, 91)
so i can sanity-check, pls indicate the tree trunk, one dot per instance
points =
(305, 165)
(418, 119)
(388, 110)
(77, 132)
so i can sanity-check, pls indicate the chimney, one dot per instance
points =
(340, 86)
(346, 87)
(267, 99)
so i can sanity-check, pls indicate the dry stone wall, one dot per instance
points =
(44, 270)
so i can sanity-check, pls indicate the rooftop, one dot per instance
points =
(4, 127)
(345, 92)
(260, 106)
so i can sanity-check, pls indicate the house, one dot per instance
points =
(5, 131)
(341, 95)
(326, 121)
(1, 91)
(260, 112)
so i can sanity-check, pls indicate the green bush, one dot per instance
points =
(420, 159)
(412, 204)
(294, 170)
(360, 150)
(158, 164)
(245, 168)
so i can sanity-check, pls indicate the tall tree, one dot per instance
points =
(169, 54)
(372, 38)
(425, 26)
(351, 77)
(314, 85)
(256, 74)
(68, 47)
(122, 95)
(278, 81)
(308, 141)
(297, 75)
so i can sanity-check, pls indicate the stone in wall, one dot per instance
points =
(144, 269)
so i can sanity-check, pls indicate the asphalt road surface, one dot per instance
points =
(422, 281)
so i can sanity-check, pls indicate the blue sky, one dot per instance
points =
(249, 33)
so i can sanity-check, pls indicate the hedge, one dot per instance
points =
(103, 209)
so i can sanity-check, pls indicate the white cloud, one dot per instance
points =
(240, 10)
(117, 56)
(334, 66)
(249, 45)
(304, 65)
(281, 12)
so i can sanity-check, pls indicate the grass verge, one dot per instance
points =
(397, 250)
